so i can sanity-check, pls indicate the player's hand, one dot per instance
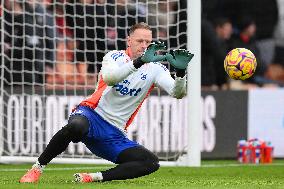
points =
(150, 54)
(179, 58)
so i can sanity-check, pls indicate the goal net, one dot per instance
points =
(51, 53)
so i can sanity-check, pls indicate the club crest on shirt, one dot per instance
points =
(77, 112)
(143, 76)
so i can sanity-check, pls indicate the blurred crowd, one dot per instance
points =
(61, 43)
(253, 24)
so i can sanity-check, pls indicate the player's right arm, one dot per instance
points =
(116, 66)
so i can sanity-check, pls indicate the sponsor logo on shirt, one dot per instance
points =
(123, 89)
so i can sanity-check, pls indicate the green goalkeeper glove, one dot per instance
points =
(179, 58)
(150, 54)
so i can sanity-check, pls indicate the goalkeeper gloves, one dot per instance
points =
(150, 54)
(179, 58)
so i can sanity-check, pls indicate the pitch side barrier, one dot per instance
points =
(30, 119)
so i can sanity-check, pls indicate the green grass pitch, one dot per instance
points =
(212, 174)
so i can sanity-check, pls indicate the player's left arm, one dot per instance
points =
(179, 59)
(174, 87)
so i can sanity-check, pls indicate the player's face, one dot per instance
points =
(138, 41)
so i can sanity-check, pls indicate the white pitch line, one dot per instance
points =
(56, 169)
(106, 167)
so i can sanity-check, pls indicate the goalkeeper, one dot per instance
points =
(101, 120)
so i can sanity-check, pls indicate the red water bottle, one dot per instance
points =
(268, 153)
(241, 148)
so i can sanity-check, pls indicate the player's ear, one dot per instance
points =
(128, 41)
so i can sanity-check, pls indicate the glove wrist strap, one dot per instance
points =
(137, 63)
(180, 73)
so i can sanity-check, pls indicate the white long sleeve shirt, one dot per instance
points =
(122, 88)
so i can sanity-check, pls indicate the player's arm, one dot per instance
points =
(114, 69)
(179, 59)
(174, 87)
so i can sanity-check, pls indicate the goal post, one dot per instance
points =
(194, 84)
(51, 52)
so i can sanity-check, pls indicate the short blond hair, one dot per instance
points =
(140, 25)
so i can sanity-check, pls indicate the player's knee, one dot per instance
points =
(152, 162)
(150, 156)
(78, 127)
(152, 166)
(156, 166)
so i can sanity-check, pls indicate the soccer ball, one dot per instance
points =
(240, 64)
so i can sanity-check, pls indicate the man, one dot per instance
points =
(224, 30)
(100, 121)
